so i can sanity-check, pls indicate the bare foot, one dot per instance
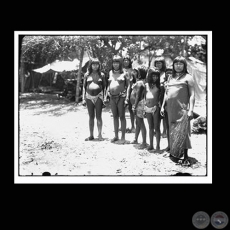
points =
(143, 146)
(100, 138)
(167, 149)
(150, 148)
(122, 142)
(89, 138)
(114, 139)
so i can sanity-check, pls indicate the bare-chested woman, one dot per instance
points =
(127, 67)
(93, 96)
(152, 92)
(137, 99)
(118, 90)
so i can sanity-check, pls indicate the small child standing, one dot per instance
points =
(152, 93)
(137, 99)
(163, 112)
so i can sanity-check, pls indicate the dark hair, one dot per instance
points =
(162, 60)
(91, 62)
(180, 59)
(169, 68)
(154, 71)
(142, 72)
(133, 75)
(130, 61)
(117, 58)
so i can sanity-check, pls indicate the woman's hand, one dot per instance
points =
(162, 112)
(83, 102)
(126, 102)
(134, 110)
(190, 115)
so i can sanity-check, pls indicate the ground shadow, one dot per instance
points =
(47, 103)
(181, 174)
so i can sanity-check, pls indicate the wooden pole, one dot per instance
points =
(79, 75)
(183, 51)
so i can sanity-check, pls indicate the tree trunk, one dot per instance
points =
(149, 58)
(22, 76)
(79, 75)
(183, 50)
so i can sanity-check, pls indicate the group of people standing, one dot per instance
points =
(160, 94)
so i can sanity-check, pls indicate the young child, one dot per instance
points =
(163, 112)
(152, 93)
(137, 99)
(160, 64)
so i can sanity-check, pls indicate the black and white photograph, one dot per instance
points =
(106, 107)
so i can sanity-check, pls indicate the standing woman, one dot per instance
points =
(127, 67)
(160, 64)
(180, 100)
(118, 90)
(93, 96)
(168, 75)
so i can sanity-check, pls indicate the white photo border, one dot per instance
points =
(207, 179)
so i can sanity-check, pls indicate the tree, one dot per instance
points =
(38, 51)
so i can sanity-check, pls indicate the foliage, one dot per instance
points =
(40, 50)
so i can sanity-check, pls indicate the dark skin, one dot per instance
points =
(140, 125)
(117, 83)
(164, 113)
(93, 85)
(152, 99)
(132, 117)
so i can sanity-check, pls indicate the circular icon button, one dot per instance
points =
(201, 220)
(219, 220)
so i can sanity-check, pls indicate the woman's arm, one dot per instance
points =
(84, 89)
(103, 85)
(164, 100)
(140, 90)
(191, 91)
(127, 85)
(107, 90)
(163, 104)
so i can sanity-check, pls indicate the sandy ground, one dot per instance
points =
(51, 138)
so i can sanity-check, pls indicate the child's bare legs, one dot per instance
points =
(143, 132)
(121, 112)
(115, 119)
(164, 133)
(149, 117)
(91, 112)
(98, 107)
(157, 120)
(137, 131)
(132, 117)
